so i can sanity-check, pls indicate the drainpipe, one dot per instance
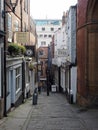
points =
(5, 41)
(69, 82)
(23, 80)
(21, 15)
(59, 77)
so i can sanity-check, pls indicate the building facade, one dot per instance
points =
(45, 30)
(17, 22)
(87, 28)
(2, 37)
(21, 31)
(70, 65)
(65, 54)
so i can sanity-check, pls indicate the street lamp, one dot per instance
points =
(13, 4)
(48, 84)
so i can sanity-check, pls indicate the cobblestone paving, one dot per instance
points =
(54, 113)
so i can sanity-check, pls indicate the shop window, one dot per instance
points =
(18, 78)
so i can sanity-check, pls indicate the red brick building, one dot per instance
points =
(87, 49)
(43, 58)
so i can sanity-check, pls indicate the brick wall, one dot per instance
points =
(81, 12)
(43, 59)
(87, 49)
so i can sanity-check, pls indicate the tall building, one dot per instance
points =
(45, 29)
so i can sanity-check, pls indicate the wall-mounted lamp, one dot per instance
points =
(13, 4)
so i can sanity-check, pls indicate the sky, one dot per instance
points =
(49, 9)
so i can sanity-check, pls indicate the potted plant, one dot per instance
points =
(16, 49)
(22, 49)
(13, 49)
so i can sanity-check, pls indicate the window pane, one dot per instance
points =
(18, 78)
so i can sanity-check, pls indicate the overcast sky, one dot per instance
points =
(50, 9)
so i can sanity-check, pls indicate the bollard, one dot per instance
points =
(35, 97)
(71, 97)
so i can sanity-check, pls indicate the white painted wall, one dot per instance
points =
(63, 79)
(66, 38)
(47, 32)
(60, 42)
(74, 82)
(71, 30)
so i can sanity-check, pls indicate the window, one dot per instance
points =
(46, 62)
(41, 52)
(40, 35)
(43, 29)
(52, 29)
(49, 36)
(16, 25)
(43, 43)
(18, 78)
(45, 35)
(9, 27)
(25, 28)
(42, 63)
(26, 6)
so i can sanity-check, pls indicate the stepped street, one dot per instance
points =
(52, 112)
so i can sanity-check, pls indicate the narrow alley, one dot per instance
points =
(52, 112)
